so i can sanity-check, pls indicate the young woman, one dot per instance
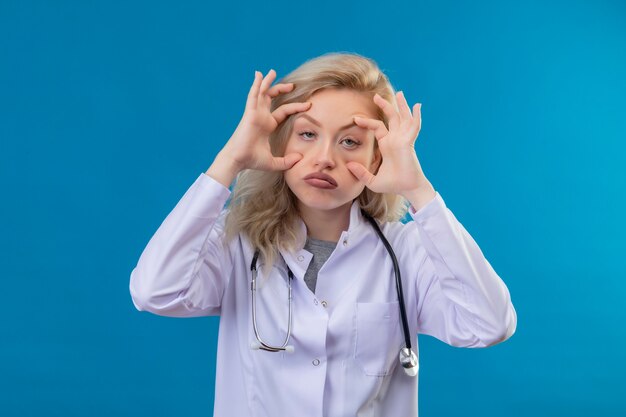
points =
(316, 317)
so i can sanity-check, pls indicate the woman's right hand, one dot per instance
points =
(249, 146)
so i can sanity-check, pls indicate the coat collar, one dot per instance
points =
(356, 221)
(298, 261)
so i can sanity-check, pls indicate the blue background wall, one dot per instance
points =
(110, 110)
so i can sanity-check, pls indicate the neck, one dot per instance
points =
(326, 224)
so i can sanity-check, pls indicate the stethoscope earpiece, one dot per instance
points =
(257, 346)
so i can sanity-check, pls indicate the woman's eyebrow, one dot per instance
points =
(318, 124)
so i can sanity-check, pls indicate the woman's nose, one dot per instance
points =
(325, 157)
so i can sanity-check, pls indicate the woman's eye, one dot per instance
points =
(347, 142)
(303, 134)
(350, 143)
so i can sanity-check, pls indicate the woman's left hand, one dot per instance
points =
(400, 171)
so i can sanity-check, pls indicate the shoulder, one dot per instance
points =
(405, 240)
(397, 230)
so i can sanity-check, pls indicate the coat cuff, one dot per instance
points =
(206, 196)
(433, 207)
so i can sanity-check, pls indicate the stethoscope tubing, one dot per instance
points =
(396, 270)
(407, 357)
(262, 345)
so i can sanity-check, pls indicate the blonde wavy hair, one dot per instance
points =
(262, 207)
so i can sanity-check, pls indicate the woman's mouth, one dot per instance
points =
(318, 183)
(321, 180)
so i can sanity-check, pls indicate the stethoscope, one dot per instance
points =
(408, 358)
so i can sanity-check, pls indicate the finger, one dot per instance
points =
(282, 112)
(417, 118)
(253, 94)
(279, 88)
(403, 106)
(286, 162)
(379, 128)
(388, 109)
(267, 81)
(361, 173)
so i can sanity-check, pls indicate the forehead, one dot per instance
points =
(340, 105)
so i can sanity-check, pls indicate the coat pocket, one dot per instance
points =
(378, 338)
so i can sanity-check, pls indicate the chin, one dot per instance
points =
(323, 200)
(321, 205)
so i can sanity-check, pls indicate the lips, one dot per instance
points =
(321, 180)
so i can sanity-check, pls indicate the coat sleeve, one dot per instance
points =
(461, 300)
(184, 269)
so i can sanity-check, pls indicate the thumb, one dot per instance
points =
(286, 162)
(360, 172)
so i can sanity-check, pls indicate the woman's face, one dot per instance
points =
(327, 138)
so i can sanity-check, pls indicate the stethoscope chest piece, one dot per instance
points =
(408, 360)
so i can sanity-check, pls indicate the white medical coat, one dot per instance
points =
(348, 334)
